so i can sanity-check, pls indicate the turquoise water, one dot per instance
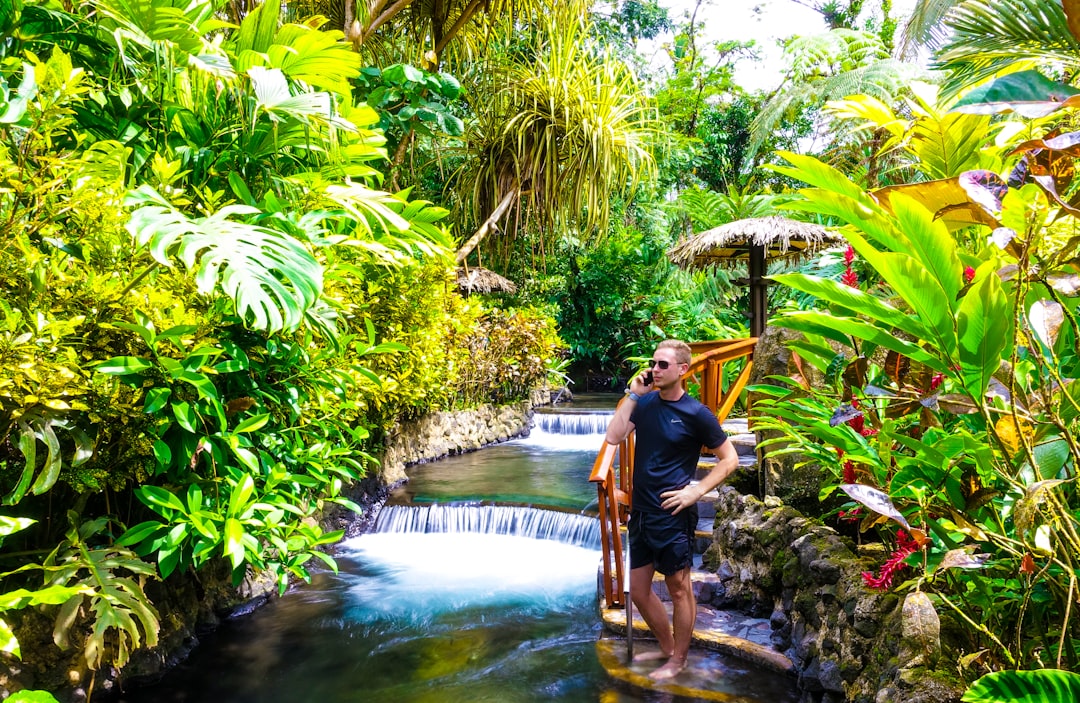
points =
(447, 616)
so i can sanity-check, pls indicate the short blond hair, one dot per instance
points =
(681, 349)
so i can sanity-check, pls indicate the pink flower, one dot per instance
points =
(969, 274)
(849, 256)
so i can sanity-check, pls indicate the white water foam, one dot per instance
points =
(417, 576)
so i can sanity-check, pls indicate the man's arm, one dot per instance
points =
(727, 460)
(620, 426)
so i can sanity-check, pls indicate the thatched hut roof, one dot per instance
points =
(475, 279)
(729, 245)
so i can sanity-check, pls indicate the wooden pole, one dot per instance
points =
(759, 301)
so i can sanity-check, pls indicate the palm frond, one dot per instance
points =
(989, 37)
(925, 27)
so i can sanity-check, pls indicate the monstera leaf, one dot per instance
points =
(271, 277)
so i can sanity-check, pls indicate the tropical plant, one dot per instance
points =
(927, 143)
(985, 39)
(561, 133)
(826, 67)
(962, 430)
(202, 287)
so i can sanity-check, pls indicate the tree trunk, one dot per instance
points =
(491, 223)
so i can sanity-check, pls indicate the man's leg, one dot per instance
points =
(684, 608)
(652, 612)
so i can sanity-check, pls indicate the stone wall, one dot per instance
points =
(440, 434)
(845, 640)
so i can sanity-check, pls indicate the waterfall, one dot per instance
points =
(572, 423)
(536, 523)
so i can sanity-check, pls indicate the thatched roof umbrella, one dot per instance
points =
(475, 279)
(756, 240)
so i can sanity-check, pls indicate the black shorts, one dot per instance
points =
(664, 540)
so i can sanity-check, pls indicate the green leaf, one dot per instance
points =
(258, 28)
(156, 399)
(931, 245)
(271, 277)
(985, 331)
(139, 533)
(839, 328)
(162, 453)
(234, 545)
(252, 424)
(26, 696)
(241, 496)
(925, 295)
(8, 642)
(1040, 686)
(124, 365)
(853, 299)
(1027, 93)
(201, 382)
(53, 463)
(11, 525)
(185, 415)
(451, 88)
(156, 496)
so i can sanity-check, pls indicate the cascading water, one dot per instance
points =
(566, 528)
(446, 601)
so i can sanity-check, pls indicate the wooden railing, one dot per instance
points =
(613, 470)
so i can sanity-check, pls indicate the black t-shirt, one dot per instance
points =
(669, 438)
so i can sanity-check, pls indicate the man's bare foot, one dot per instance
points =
(670, 670)
(654, 656)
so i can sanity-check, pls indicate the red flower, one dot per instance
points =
(851, 515)
(936, 381)
(849, 472)
(849, 277)
(969, 274)
(905, 545)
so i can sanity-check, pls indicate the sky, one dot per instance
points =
(766, 21)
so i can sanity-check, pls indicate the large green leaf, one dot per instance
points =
(1027, 93)
(924, 294)
(271, 277)
(985, 331)
(1041, 686)
(853, 299)
(836, 328)
(257, 30)
(931, 245)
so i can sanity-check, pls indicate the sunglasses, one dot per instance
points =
(660, 364)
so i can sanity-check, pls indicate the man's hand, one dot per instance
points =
(683, 498)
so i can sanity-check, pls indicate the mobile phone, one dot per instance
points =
(648, 378)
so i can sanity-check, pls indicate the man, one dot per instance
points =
(672, 427)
